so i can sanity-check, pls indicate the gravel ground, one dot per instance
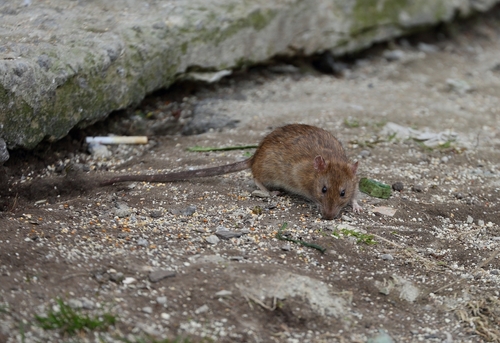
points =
(201, 260)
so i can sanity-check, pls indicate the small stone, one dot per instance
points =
(155, 214)
(428, 48)
(165, 316)
(212, 239)
(147, 309)
(188, 211)
(99, 151)
(260, 194)
(381, 337)
(417, 188)
(495, 271)
(223, 233)
(223, 293)
(459, 195)
(480, 222)
(129, 280)
(142, 242)
(364, 153)
(162, 301)
(445, 159)
(387, 257)
(286, 247)
(394, 55)
(122, 210)
(122, 235)
(470, 220)
(87, 304)
(398, 186)
(116, 277)
(159, 275)
(75, 304)
(458, 86)
(201, 309)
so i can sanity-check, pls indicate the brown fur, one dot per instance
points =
(297, 158)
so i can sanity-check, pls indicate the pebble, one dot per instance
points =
(155, 214)
(381, 337)
(398, 186)
(159, 275)
(212, 239)
(260, 194)
(428, 48)
(147, 309)
(188, 211)
(116, 277)
(470, 220)
(458, 86)
(122, 210)
(480, 222)
(417, 188)
(165, 316)
(129, 280)
(394, 55)
(224, 233)
(99, 151)
(387, 257)
(445, 159)
(459, 195)
(142, 242)
(162, 301)
(223, 293)
(286, 247)
(364, 153)
(201, 309)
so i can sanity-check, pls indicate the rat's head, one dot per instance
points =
(335, 186)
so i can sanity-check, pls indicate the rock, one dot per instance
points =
(157, 45)
(129, 280)
(427, 48)
(155, 214)
(4, 153)
(364, 153)
(223, 294)
(260, 194)
(122, 210)
(162, 301)
(159, 275)
(142, 242)
(147, 309)
(381, 337)
(188, 211)
(99, 151)
(201, 309)
(116, 277)
(398, 186)
(212, 239)
(387, 257)
(458, 86)
(224, 233)
(417, 188)
(394, 55)
(470, 220)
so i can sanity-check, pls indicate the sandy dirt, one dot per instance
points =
(432, 275)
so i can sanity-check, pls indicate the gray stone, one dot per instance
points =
(387, 257)
(212, 239)
(65, 74)
(201, 309)
(122, 210)
(159, 275)
(4, 153)
(142, 242)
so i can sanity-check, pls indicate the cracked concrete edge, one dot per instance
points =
(70, 63)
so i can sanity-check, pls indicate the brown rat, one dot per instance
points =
(297, 158)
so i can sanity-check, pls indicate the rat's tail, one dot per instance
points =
(182, 175)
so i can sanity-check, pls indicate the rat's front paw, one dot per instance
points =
(355, 207)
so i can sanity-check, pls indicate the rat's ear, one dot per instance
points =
(354, 167)
(319, 163)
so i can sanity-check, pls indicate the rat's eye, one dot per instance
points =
(342, 193)
(324, 189)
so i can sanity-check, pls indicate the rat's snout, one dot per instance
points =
(329, 214)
